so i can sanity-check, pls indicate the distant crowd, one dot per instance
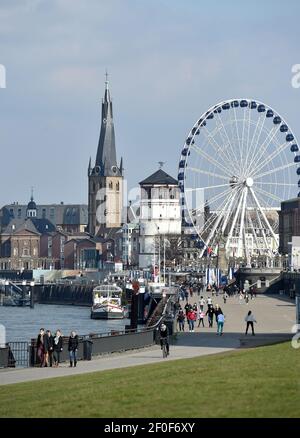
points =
(197, 312)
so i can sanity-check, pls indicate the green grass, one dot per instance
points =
(261, 382)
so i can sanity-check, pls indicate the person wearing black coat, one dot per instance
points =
(48, 345)
(57, 347)
(210, 314)
(73, 347)
(40, 346)
(217, 311)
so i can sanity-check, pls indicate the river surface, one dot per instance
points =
(22, 324)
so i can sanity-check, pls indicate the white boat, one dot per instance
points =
(107, 302)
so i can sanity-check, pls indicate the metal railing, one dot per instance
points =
(18, 355)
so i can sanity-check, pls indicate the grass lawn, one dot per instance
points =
(261, 382)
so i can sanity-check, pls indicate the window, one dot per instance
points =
(52, 212)
(25, 252)
(118, 186)
(110, 185)
(43, 213)
(19, 212)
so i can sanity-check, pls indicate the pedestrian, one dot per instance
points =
(221, 319)
(195, 308)
(254, 291)
(201, 303)
(241, 297)
(191, 317)
(57, 347)
(181, 320)
(246, 298)
(41, 347)
(251, 293)
(73, 347)
(187, 308)
(201, 318)
(250, 320)
(186, 294)
(210, 315)
(48, 344)
(209, 301)
(225, 296)
(217, 312)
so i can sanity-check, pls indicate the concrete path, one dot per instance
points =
(274, 316)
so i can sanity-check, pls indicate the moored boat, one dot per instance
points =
(107, 302)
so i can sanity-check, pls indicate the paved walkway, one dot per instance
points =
(272, 314)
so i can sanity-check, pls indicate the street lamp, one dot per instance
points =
(6, 287)
(32, 283)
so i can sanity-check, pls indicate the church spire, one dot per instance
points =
(106, 154)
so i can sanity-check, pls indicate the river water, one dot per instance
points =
(23, 323)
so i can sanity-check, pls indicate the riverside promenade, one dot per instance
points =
(275, 318)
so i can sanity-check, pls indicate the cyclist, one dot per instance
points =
(164, 336)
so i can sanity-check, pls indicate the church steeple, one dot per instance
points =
(105, 177)
(106, 160)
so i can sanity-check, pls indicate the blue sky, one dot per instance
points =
(168, 62)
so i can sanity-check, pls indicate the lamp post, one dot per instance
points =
(164, 259)
(6, 287)
(32, 294)
(23, 292)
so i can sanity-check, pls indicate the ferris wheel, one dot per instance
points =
(239, 162)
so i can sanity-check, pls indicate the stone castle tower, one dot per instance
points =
(105, 178)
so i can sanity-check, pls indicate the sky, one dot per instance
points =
(168, 62)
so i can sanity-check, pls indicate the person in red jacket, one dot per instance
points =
(191, 317)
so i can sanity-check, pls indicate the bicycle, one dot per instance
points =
(164, 347)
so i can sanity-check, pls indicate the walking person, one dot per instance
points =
(225, 296)
(187, 308)
(49, 344)
(191, 317)
(241, 297)
(255, 291)
(201, 318)
(246, 298)
(201, 303)
(57, 347)
(221, 319)
(41, 347)
(210, 314)
(250, 320)
(73, 347)
(181, 320)
(251, 293)
(217, 312)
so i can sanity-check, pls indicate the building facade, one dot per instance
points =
(159, 216)
(71, 218)
(289, 223)
(105, 178)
